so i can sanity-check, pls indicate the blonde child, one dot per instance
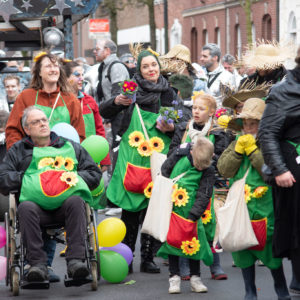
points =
(186, 236)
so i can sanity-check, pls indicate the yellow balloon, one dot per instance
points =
(111, 232)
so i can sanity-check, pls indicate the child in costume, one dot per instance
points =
(241, 155)
(186, 236)
(201, 124)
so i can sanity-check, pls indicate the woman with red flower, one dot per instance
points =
(132, 172)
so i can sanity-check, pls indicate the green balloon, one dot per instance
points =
(113, 266)
(99, 189)
(97, 147)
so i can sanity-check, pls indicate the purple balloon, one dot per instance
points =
(122, 249)
(2, 237)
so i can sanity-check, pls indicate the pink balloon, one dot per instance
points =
(2, 267)
(2, 237)
(122, 249)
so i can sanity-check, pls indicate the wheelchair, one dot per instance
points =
(15, 251)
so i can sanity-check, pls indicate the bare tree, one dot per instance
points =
(150, 4)
(111, 8)
(246, 5)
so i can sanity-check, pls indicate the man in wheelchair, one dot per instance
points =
(54, 176)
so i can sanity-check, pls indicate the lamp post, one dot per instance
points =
(166, 26)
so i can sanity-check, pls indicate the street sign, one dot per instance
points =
(99, 29)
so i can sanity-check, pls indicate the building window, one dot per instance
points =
(267, 27)
(292, 27)
(194, 44)
(253, 32)
(237, 41)
(217, 37)
(204, 37)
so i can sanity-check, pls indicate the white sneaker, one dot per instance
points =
(197, 285)
(174, 282)
(102, 210)
(113, 211)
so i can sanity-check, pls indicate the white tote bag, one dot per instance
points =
(236, 232)
(156, 161)
(157, 219)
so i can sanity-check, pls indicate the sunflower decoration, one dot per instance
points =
(206, 217)
(157, 144)
(46, 161)
(190, 247)
(247, 193)
(145, 149)
(180, 196)
(260, 191)
(136, 138)
(69, 178)
(148, 189)
(58, 162)
(69, 164)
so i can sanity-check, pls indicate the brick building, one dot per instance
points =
(192, 23)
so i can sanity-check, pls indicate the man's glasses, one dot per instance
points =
(38, 122)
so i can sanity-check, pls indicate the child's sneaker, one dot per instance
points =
(197, 285)
(174, 282)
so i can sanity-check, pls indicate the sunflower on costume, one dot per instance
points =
(206, 217)
(247, 193)
(148, 190)
(157, 144)
(46, 161)
(58, 162)
(180, 196)
(145, 149)
(69, 163)
(136, 138)
(70, 178)
(190, 247)
(260, 191)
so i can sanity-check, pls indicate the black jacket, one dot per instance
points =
(274, 77)
(207, 181)
(280, 122)
(108, 109)
(19, 156)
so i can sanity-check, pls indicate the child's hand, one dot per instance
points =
(239, 146)
(249, 142)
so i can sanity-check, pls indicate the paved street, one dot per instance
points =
(155, 286)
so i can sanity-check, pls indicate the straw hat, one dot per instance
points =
(180, 52)
(248, 90)
(267, 55)
(252, 109)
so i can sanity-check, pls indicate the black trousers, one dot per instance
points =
(175, 270)
(71, 215)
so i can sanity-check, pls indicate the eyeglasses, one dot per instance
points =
(38, 122)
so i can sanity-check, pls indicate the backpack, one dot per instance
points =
(117, 62)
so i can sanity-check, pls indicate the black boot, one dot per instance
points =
(147, 263)
(280, 284)
(249, 280)
(295, 285)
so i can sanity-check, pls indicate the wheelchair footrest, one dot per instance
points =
(35, 285)
(77, 282)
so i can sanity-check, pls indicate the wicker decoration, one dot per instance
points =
(268, 55)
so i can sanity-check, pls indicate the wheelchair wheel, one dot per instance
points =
(94, 274)
(15, 282)
(7, 249)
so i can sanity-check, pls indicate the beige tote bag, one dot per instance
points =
(235, 229)
(157, 219)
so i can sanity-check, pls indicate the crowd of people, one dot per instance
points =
(234, 120)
